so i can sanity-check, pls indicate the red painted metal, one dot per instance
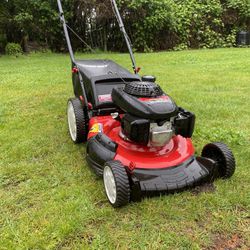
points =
(90, 106)
(75, 70)
(133, 155)
(82, 100)
(138, 69)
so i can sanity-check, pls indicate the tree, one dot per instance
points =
(151, 24)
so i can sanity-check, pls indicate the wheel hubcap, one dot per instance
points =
(109, 183)
(72, 121)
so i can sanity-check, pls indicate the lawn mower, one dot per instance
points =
(138, 140)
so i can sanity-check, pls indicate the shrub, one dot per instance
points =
(180, 47)
(183, 24)
(13, 49)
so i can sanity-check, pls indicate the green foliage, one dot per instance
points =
(151, 24)
(182, 24)
(199, 23)
(154, 16)
(181, 47)
(243, 6)
(23, 19)
(13, 49)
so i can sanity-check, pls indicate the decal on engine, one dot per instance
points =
(160, 99)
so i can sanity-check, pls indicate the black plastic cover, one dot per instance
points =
(190, 173)
(100, 77)
(160, 109)
(136, 129)
(185, 123)
(96, 68)
(100, 149)
(148, 78)
(143, 89)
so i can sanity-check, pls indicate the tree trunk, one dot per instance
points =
(24, 43)
(105, 45)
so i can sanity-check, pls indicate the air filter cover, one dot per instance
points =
(143, 89)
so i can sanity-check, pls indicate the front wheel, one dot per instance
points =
(223, 156)
(116, 184)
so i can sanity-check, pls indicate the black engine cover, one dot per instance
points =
(184, 123)
(153, 108)
(136, 129)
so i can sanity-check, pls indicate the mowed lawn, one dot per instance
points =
(49, 198)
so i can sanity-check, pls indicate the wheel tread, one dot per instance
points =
(229, 164)
(81, 121)
(122, 183)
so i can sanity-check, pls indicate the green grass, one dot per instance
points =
(49, 199)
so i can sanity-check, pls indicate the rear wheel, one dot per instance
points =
(77, 121)
(116, 184)
(223, 156)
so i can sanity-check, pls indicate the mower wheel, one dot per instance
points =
(116, 184)
(223, 156)
(77, 121)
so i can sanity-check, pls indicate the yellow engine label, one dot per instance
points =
(96, 128)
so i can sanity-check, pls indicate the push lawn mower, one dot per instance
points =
(137, 138)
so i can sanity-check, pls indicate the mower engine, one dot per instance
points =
(151, 117)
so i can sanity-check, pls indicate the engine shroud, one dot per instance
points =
(143, 89)
(145, 100)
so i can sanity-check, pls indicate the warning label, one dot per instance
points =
(96, 128)
(105, 98)
(160, 99)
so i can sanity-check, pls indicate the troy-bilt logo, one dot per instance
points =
(105, 98)
(155, 100)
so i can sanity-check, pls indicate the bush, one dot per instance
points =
(183, 24)
(13, 49)
(151, 24)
